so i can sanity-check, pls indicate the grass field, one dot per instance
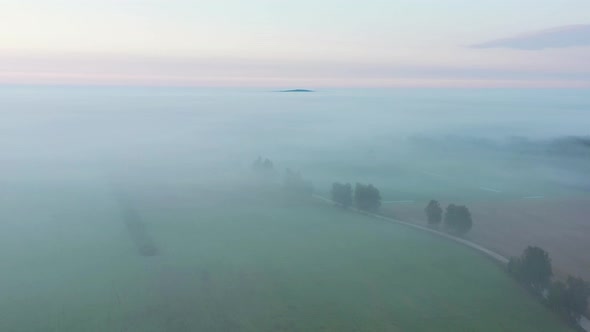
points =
(516, 200)
(232, 261)
(560, 226)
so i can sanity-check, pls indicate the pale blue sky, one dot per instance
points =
(274, 42)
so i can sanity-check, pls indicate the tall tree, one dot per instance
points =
(569, 299)
(534, 268)
(458, 219)
(577, 294)
(556, 297)
(263, 165)
(434, 212)
(367, 197)
(342, 194)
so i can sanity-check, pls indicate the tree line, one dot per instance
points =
(365, 197)
(457, 218)
(293, 182)
(263, 166)
(533, 270)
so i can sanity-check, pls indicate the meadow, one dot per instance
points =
(250, 259)
(194, 246)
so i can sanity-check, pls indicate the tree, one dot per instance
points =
(294, 183)
(513, 267)
(570, 299)
(367, 197)
(458, 219)
(533, 268)
(556, 297)
(263, 165)
(576, 296)
(434, 212)
(342, 194)
(536, 267)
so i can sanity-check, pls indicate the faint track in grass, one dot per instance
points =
(136, 226)
(490, 190)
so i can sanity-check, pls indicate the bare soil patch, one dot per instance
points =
(560, 226)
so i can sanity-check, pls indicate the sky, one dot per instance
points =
(302, 43)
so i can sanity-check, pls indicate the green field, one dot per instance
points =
(233, 261)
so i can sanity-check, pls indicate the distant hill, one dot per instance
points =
(297, 90)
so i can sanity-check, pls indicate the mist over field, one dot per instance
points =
(102, 132)
(136, 209)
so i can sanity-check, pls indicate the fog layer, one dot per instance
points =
(90, 175)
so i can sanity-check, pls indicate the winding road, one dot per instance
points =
(494, 255)
(584, 322)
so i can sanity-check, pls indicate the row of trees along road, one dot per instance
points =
(457, 218)
(533, 269)
(365, 196)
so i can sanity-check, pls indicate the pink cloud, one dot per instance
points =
(129, 70)
(560, 37)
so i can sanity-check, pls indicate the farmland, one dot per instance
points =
(270, 263)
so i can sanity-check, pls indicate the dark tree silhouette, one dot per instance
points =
(268, 164)
(533, 268)
(434, 212)
(263, 165)
(342, 194)
(367, 197)
(294, 183)
(556, 297)
(570, 299)
(458, 219)
(577, 294)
